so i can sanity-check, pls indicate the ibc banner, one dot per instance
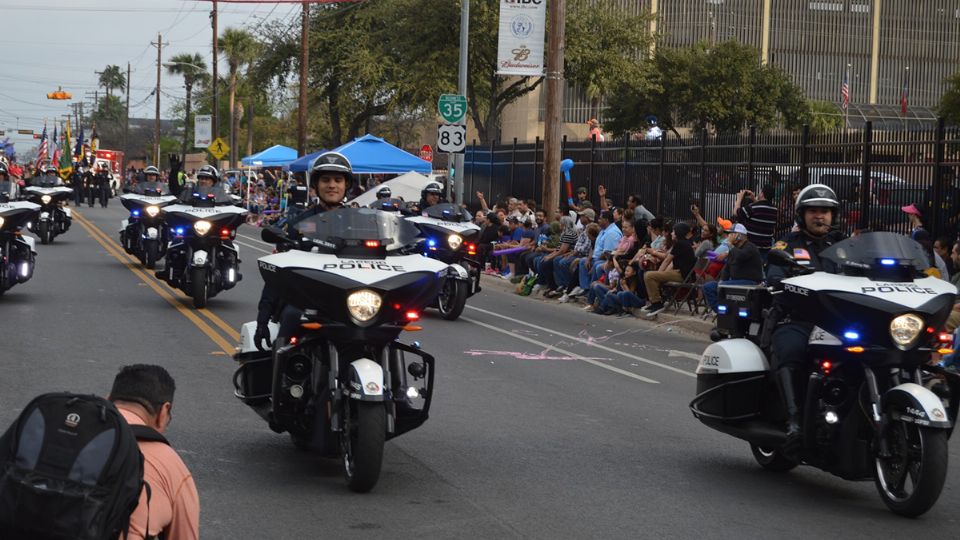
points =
(522, 30)
(202, 130)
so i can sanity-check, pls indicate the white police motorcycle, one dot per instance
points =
(867, 411)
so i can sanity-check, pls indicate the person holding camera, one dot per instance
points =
(759, 215)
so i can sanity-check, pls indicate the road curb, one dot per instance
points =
(685, 324)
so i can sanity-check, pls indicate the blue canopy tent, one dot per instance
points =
(275, 156)
(371, 155)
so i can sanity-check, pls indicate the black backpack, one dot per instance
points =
(70, 468)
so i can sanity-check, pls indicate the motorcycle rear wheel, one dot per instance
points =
(362, 444)
(198, 278)
(452, 300)
(910, 481)
(772, 459)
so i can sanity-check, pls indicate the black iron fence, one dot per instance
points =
(874, 173)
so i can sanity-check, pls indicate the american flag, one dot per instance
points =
(56, 148)
(42, 152)
(845, 91)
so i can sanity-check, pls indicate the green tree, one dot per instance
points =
(240, 49)
(110, 118)
(193, 69)
(949, 107)
(111, 77)
(825, 117)
(722, 87)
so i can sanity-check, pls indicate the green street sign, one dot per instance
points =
(452, 107)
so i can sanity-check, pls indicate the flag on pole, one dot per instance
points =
(42, 151)
(56, 146)
(78, 150)
(94, 140)
(904, 97)
(845, 91)
(66, 164)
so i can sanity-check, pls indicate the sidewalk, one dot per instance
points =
(683, 322)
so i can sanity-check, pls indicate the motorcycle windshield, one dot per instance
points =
(448, 212)
(8, 190)
(212, 194)
(47, 181)
(152, 188)
(359, 224)
(878, 250)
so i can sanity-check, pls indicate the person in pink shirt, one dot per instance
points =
(144, 396)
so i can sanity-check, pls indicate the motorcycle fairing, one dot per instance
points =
(18, 214)
(911, 295)
(450, 227)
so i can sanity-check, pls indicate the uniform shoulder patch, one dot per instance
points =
(781, 245)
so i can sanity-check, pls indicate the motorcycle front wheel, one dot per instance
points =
(362, 444)
(910, 480)
(452, 300)
(150, 250)
(198, 278)
(43, 231)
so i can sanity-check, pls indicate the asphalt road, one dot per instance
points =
(547, 422)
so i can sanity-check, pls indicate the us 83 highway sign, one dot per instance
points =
(451, 138)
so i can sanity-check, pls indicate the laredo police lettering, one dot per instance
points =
(897, 288)
(363, 265)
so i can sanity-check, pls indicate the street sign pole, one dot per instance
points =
(462, 89)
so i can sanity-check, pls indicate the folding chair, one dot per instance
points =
(677, 293)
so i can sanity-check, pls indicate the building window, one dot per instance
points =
(826, 6)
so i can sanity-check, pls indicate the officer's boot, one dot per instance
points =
(786, 383)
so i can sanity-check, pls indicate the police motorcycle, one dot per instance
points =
(451, 237)
(867, 414)
(55, 217)
(344, 384)
(201, 258)
(17, 252)
(143, 233)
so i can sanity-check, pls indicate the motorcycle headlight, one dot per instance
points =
(152, 211)
(46, 199)
(454, 241)
(1, 222)
(202, 227)
(905, 329)
(363, 305)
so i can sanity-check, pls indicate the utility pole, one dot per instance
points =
(462, 90)
(552, 124)
(304, 59)
(216, 80)
(156, 122)
(126, 125)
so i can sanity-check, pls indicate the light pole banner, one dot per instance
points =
(522, 29)
(202, 130)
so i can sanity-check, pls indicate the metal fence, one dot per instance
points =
(874, 173)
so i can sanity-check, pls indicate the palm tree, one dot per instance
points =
(111, 77)
(240, 48)
(193, 69)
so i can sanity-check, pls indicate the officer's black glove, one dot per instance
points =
(262, 337)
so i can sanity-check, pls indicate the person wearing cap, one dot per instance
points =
(744, 265)
(676, 266)
(331, 176)
(564, 267)
(581, 198)
(916, 220)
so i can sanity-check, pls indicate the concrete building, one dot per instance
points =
(887, 44)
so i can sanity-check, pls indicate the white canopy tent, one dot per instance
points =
(407, 186)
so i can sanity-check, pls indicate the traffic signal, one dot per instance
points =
(59, 94)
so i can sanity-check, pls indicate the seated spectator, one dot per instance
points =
(545, 243)
(744, 265)
(943, 247)
(707, 241)
(628, 295)
(590, 267)
(640, 211)
(521, 235)
(653, 254)
(578, 205)
(545, 269)
(565, 270)
(676, 266)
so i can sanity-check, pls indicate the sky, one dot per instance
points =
(49, 43)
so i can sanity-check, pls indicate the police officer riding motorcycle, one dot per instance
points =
(143, 233)
(202, 258)
(49, 192)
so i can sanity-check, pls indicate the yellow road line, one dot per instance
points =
(211, 316)
(151, 282)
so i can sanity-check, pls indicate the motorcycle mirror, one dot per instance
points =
(779, 257)
(273, 235)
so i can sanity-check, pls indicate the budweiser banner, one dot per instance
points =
(522, 25)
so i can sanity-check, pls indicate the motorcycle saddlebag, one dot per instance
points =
(730, 381)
